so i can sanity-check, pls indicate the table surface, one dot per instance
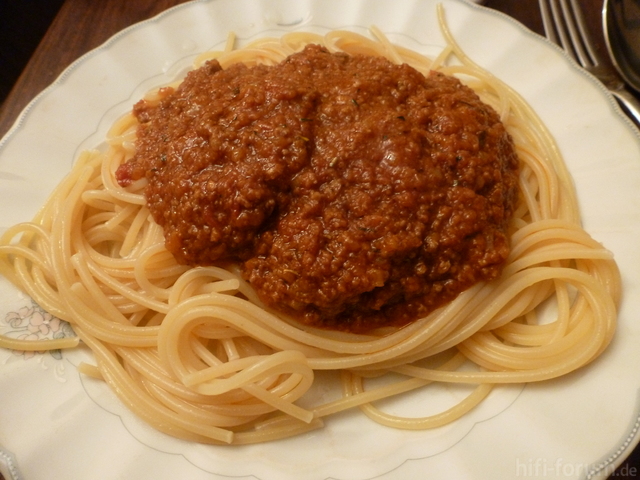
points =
(81, 26)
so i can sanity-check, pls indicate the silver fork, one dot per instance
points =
(565, 26)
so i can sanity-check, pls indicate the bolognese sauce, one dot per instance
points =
(355, 193)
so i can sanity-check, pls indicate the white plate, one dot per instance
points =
(56, 424)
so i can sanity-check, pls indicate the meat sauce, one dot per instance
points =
(355, 193)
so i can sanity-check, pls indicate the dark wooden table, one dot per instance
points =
(82, 25)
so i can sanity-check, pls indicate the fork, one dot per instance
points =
(565, 26)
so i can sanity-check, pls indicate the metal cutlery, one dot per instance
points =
(564, 25)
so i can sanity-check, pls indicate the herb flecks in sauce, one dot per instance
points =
(354, 192)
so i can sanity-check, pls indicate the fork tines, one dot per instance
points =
(564, 24)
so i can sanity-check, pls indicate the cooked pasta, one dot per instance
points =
(194, 352)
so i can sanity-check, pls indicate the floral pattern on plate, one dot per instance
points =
(31, 322)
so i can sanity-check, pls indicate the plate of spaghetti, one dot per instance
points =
(320, 240)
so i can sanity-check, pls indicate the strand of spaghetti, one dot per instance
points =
(235, 403)
(352, 43)
(35, 283)
(180, 291)
(523, 306)
(280, 404)
(447, 321)
(518, 282)
(101, 200)
(390, 51)
(112, 161)
(416, 60)
(133, 231)
(419, 333)
(250, 57)
(583, 354)
(500, 318)
(541, 232)
(100, 301)
(528, 192)
(26, 233)
(120, 216)
(530, 335)
(90, 371)
(164, 263)
(485, 348)
(229, 45)
(526, 335)
(562, 324)
(142, 278)
(124, 125)
(562, 202)
(548, 193)
(23, 253)
(196, 413)
(245, 370)
(421, 423)
(248, 370)
(296, 41)
(139, 297)
(281, 428)
(79, 308)
(439, 61)
(143, 404)
(352, 399)
(37, 345)
(63, 228)
(278, 334)
(437, 325)
(194, 311)
(292, 363)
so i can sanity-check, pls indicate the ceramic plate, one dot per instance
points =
(56, 424)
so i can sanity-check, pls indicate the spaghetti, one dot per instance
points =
(194, 352)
